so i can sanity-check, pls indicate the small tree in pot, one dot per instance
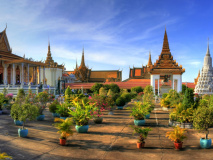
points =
(42, 103)
(120, 102)
(177, 136)
(26, 111)
(203, 119)
(143, 133)
(64, 128)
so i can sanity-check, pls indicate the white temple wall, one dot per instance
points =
(179, 82)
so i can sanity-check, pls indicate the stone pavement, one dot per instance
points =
(111, 140)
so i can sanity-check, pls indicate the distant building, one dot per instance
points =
(83, 74)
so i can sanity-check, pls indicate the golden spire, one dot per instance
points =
(76, 64)
(165, 44)
(82, 59)
(150, 60)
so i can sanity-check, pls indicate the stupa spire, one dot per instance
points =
(150, 60)
(208, 52)
(76, 64)
(82, 59)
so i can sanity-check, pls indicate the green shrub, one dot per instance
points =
(110, 93)
(127, 97)
(68, 91)
(115, 88)
(120, 101)
(137, 89)
(102, 92)
(63, 110)
(203, 117)
(115, 96)
(96, 87)
(53, 108)
(107, 87)
(164, 95)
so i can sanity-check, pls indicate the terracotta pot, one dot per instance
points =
(140, 145)
(178, 145)
(62, 142)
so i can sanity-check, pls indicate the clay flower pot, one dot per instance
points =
(62, 141)
(140, 145)
(178, 145)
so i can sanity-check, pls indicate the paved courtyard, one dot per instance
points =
(111, 140)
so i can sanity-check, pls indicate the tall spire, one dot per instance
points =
(76, 64)
(208, 52)
(150, 60)
(82, 59)
(49, 52)
(165, 43)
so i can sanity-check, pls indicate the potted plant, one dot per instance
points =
(26, 111)
(96, 114)
(14, 114)
(63, 110)
(53, 108)
(1, 101)
(143, 133)
(110, 103)
(64, 127)
(42, 104)
(81, 116)
(139, 111)
(202, 120)
(120, 102)
(177, 136)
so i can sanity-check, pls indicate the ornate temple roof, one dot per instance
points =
(150, 60)
(165, 63)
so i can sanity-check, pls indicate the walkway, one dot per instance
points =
(111, 140)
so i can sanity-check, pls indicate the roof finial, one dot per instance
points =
(150, 60)
(6, 26)
(208, 52)
(82, 59)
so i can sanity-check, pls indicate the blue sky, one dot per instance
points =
(115, 34)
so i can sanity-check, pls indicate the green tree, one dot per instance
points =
(107, 87)
(110, 93)
(188, 99)
(102, 91)
(115, 88)
(203, 117)
(148, 94)
(183, 88)
(137, 89)
(96, 87)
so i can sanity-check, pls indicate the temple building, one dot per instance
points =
(205, 80)
(82, 73)
(16, 71)
(165, 71)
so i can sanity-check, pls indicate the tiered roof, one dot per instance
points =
(165, 63)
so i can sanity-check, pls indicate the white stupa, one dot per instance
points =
(205, 81)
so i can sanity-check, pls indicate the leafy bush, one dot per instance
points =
(188, 99)
(115, 88)
(107, 87)
(137, 89)
(42, 99)
(96, 87)
(177, 135)
(102, 91)
(53, 108)
(164, 95)
(148, 94)
(110, 93)
(81, 115)
(143, 133)
(139, 111)
(203, 119)
(127, 97)
(64, 127)
(120, 101)
(63, 110)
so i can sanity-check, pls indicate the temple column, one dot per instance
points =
(5, 73)
(158, 87)
(39, 75)
(14, 74)
(22, 73)
(179, 82)
(28, 73)
(36, 82)
(153, 78)
(44, 74)
(11, 75)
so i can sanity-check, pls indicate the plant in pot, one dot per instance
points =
(96, 113)
(14, 114)
(120, 102)
(1, 101)
(81, 116)
(26, 111)
(64, 128)
(202, 120)
(53, 108)
(143, 133)
(63, 110)
(42, 104)
(177, 136)
(139, 111)
(110, 103)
